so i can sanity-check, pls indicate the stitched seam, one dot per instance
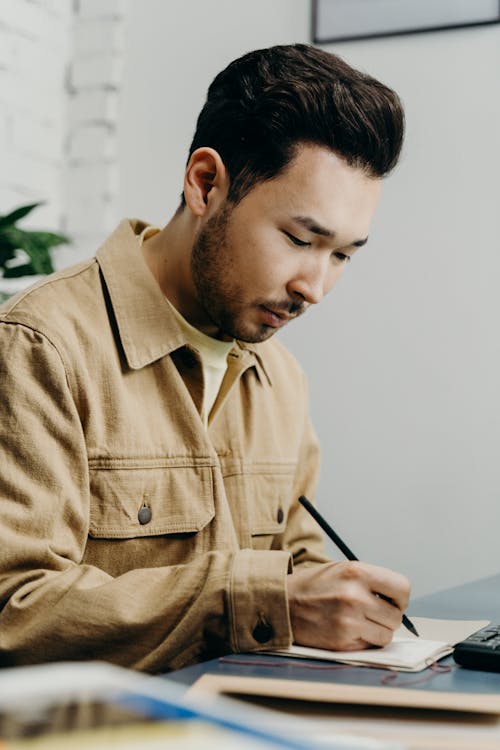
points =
(52, 344)
(131, 464)
(52, 280)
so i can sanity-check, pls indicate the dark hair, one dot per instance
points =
(265, 103)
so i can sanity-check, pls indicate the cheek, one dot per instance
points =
(256, 278)
(255, 261)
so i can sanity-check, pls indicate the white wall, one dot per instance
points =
(94, 79)
(34, 37)
(173, 50)
(60, 77)
(405, 396)
(403, 358)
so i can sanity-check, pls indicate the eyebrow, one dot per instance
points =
(316, 228)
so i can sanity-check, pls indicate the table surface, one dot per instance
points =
(475, 601)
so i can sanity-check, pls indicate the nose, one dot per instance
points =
(314, 280)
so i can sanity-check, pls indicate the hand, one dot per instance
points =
(335, 605)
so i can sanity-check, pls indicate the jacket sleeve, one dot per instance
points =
(52, 606)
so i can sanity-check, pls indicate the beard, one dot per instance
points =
(219, 288)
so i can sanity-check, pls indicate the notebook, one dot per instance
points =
(406, 652)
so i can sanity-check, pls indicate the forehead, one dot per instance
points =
(319, 184)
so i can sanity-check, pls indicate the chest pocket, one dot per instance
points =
(144, 501)
(270, 488)
(148, 516)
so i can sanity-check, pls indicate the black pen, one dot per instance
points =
(345, 549)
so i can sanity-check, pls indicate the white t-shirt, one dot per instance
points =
(213, 354)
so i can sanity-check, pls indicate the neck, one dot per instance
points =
(168, 256)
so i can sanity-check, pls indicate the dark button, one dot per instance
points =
(280, 515)
(145, 515)
(263, 632)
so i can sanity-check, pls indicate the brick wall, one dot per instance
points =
(34, 49)
(60, 73)
(94, 80)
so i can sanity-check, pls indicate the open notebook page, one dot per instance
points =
(406, 652)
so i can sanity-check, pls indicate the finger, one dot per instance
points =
(394, 586)
(374, 634)
(383, 612)
(375, 581)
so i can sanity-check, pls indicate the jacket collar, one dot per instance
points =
(147, 326)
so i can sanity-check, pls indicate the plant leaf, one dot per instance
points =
(38, 254)
(18, 213)
(13, 237)
(35, 244)
(7, 251)
(24, 269)
(49, 239)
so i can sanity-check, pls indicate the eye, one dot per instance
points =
(295, 240)
(342, 257)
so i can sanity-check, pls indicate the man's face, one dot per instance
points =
(259, 264)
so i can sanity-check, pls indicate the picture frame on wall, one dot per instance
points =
(346, 20)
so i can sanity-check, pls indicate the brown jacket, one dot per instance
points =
(128, 532)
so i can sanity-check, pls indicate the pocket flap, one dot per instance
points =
(271, 490)
(149, 501)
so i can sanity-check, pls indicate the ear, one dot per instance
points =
(206, 181)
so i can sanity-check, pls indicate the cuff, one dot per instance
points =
(258, 603)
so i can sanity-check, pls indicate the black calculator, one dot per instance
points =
(480, 650)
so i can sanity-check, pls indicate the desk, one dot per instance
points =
(477, 600)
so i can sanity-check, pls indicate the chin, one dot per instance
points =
(256, 337)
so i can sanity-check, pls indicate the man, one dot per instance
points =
(154, 440)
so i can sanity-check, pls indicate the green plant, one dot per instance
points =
(35, 245)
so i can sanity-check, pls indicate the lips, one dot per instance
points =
(279, 314)
(274, 318)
